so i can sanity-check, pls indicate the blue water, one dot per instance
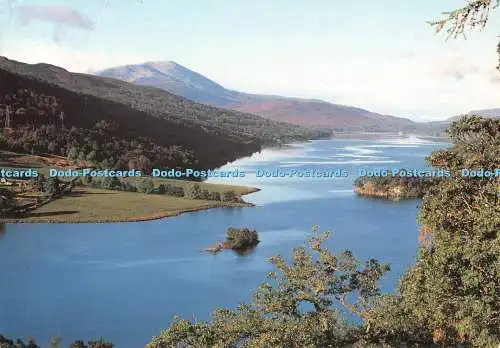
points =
(125, 281)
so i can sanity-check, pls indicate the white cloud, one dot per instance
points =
(454, 66)
(417, 85)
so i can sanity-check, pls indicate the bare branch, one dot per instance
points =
(474, 15)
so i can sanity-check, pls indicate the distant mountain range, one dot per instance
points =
(177, 79)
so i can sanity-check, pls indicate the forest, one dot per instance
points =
(39, 127)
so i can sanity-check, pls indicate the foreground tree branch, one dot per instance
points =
(474, 15)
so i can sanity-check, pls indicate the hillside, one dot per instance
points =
(160, 104)
(323, 114)
(179, 80)
(120, 122)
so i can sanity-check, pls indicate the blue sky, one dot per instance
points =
(375, 54)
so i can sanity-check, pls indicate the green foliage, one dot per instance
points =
(229, 196)
(7, 343)
(37, 183)
(146, 186)
(451, 296)
(175, 191)
(111, 183)
(162, 189)
(215, 196)
(205, 194)
(398, 187)
(91, 156)
(194, 192)
(7, 203)
(55, 342)
(73, 154)
(52, 187)
(241, 238)
(298, 306)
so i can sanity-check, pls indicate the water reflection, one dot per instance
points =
(245, 251)
(3, 229)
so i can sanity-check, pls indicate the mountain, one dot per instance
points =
(124, 120)
(324, 114)
(179, 80)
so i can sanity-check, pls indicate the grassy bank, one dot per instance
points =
(97, 205)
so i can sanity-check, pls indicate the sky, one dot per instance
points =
(379, 55)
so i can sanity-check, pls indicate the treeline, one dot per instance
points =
(53, 185)
(55, 343)
(394, 186)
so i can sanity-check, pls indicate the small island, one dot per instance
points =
(393, 188)
(237, 239)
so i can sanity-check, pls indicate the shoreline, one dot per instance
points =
(156, 216)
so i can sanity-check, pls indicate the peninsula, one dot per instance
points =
(107, 199)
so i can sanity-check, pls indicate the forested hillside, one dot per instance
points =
(116, 124)
(161, 104)
(101, 130)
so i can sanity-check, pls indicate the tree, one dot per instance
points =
(451, 296)
(82, 156)
(146, 186)
(51, 187)
(73, 154)
(240, 238)
(215, 196)
(195, 192)
(162, 189)
(51, 147)
(228, 196)
(91, 156)
(111, 183)
(473, 15)
(205, 194)
(298, 306)
(37, 183)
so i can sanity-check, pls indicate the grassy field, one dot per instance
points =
(87, 204)
(97, 205)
